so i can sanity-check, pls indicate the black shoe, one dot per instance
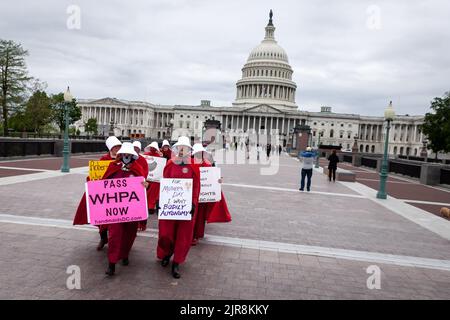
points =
(111, 269)
(102, 244)
(125, 262)
(176, 270)
(308, 190)
(300, 189)
(165, 261)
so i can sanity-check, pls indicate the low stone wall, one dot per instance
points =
(19, 147)
(342, 174)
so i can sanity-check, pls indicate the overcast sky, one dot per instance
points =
(351, 55)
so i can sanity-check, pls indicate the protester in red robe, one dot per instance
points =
(113, 144)
(207, 211)
(122, 235)
(175, 236)
(165, 149)
(152, 150)
(143, 162)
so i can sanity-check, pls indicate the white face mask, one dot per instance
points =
(127, 158)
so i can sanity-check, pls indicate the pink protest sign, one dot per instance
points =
(116, 200)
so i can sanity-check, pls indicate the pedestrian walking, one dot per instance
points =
(307, 169)
(268, 150)
(121, 235)
(113, 144)
(152, 150)
(207, 211)
(175, 236)
(332, 165)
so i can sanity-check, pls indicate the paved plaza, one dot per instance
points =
(281, 244)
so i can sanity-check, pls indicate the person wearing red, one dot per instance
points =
(207, 211)
(113, 144)
(152, 150)
(175, 236)
(165, 149)
(122, 235)
(143, 162)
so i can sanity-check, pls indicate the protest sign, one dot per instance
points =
(210, 188)
(97, 169)
(155, 167)
(116, 200)
(175, 199)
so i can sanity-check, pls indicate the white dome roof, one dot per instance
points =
(268, 50)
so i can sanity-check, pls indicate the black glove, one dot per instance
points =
(192, 210)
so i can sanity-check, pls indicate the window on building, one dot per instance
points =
(331, 133)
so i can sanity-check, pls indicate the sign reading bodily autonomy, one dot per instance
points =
(97, 169)
(210, 188)
(175, 199)
(155, 167)
(116, 200)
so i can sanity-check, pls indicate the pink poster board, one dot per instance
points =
(116, 200)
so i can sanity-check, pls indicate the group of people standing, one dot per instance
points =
(307, 158)
(175, 237)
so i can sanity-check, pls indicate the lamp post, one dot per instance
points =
(389, 115)
(169, 126)
(67, 99)
(318, 151)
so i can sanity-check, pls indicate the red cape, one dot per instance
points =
(106, 157)
(216, 211)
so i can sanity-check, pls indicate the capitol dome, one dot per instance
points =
(267, 75)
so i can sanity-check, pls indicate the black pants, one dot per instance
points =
(308, 174)
(332, 171)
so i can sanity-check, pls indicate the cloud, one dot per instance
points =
(179, 52)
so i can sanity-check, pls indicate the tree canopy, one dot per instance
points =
(436, 124)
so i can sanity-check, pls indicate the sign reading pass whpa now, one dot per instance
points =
(116, 200)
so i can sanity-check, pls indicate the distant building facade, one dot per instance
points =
(265, 102)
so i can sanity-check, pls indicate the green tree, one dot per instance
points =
(436, 125)
(58, 110)
(37, 111)
(13, 78)
(91, 126)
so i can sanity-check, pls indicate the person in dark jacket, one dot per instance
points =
(332, 165)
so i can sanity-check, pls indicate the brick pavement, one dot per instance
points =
(35, 260)
(340, 219)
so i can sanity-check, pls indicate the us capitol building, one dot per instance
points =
(265, 101)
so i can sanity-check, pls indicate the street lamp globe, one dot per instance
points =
(389, 112)
(68, 96)
(171, 121)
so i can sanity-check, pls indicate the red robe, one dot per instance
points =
(153, 186)
(121, 236)
(175, 236)
(167, 154)
(81, 214)
(210, 211)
